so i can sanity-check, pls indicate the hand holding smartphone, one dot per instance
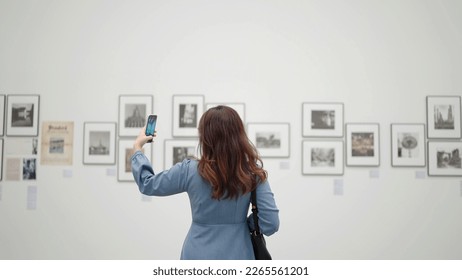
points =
(151, 125)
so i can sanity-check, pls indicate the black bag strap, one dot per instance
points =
(253, 199)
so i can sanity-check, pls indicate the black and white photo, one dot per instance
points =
(322, 157)
(443, 117)
(187, 111)
(322, 119)
(444, 158)
(29, 169)
(125, 152)
(408, 145)
(22, 115)
(99, 143)
(178, 150)
(133, 111)
(271, 139)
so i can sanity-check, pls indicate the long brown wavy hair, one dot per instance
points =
(229, 161)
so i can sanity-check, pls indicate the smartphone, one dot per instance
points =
(151, 125)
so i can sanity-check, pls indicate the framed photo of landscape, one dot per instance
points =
(239, 107)
(322, 119)
(99, 143)
(22, 115)
(444, 158)
(126, 151)
(443, 117)
(362, 144)
(408, 145)
(322, 157)
(176, 151)
(272, 140)
(187, 111)
(133, 111)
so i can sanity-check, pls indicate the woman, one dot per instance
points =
(218, 185)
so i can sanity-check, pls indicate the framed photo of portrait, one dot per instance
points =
(408, 145)
(176, 151)
(126, 151)
(362, 144)
(239, 107)
(187, 111)
(322, 157)
(322, 119)
(443, 117)
(99, 143)
(2, 114)
(272, 140)
(133, 111)
(22, 115)
(444, 158)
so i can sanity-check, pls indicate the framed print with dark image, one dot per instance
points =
(187, 110)
(444, 158)
(22, 115)
(99, 143)
(322, 119)
(362, 144)
(2, 114)
(176, 151)
(270, 139)
(443, 117)
(239, 107)
(322, 157)
(126, 151)
(408, 145)
(133, 111)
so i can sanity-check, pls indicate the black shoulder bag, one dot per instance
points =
(258, 241)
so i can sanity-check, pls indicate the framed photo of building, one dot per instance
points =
(239, 107)
(22, 115)
(133, 111)
(272, 140)
(2, 115)
(408, 145)
(187, 111)
(362, 144)
(99, 143)
(126, 151)
(322, 119)
(322, 157)
(176, 151)
(444, 158)
(443, 117)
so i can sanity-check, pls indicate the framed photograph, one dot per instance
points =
(178, 150)
(362, 144)
(443, 117)
(126, 151)
(239, 107)
(444, 158)
(2, 115)
(271, 139)
(322, 157)
(22, 115)
(187, 111)
(322, 119)
(133, 111)
(99, 143)
(408, 145)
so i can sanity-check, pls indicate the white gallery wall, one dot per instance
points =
(381, 59)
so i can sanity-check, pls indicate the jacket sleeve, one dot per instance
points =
(164, 183)
(268, 213)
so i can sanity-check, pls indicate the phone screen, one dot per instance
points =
(151, 125)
